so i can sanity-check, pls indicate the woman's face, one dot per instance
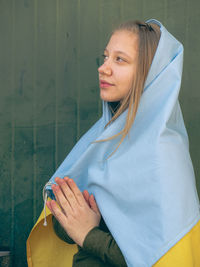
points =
(117, 73)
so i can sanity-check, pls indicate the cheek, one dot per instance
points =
(125, 80)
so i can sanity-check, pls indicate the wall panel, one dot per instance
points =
(49, 55)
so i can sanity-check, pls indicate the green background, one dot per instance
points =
(49, 54)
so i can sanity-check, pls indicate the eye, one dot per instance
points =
(119, 59)
(104, 57)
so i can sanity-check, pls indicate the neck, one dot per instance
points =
(114, 106)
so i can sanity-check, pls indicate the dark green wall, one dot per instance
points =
(49, 90)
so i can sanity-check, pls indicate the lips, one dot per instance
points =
(103, 83)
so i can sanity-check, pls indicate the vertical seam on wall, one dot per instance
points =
(142, 9)
(78, 72)
(100, 44)
(186, 25)
(34, 115)
(56, 87)
(122, 10)
(165, 10)
(186, 39)
(13, 129)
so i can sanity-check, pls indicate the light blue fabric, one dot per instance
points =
(146, 191)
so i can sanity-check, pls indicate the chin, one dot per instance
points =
(106, 99)
(109, 98)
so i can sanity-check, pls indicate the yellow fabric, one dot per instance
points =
(45, 249)
(186, 253)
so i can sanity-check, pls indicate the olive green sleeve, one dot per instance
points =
(102, 245)
(60, 232)
(97, 242)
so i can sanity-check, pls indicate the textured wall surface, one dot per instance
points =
(49, 54)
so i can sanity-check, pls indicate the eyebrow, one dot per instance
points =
(120, 52)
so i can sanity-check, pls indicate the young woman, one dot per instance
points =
(126, 193)
(121, 81)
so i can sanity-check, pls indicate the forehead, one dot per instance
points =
(124, 41)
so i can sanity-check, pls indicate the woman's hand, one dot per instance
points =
(78, 213)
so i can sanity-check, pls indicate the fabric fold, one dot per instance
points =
(146, 190)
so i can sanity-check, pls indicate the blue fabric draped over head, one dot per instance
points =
(146, 190)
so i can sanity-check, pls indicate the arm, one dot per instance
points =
(72, 210)
(82, 221)
(102, 245)
(97, 242)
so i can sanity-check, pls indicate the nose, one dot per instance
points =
(105, 69)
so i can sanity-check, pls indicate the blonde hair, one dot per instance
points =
(148, 38)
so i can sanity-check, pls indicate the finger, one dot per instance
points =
(48, 203)
(60, 216)
(94, 204)
(56, 184)
(50, 207)
(86, 196)
(77, 193)
(67, 192)
(57, 200)
(61, 199)
(54, 194)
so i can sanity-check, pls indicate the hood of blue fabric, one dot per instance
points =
(146, 190)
